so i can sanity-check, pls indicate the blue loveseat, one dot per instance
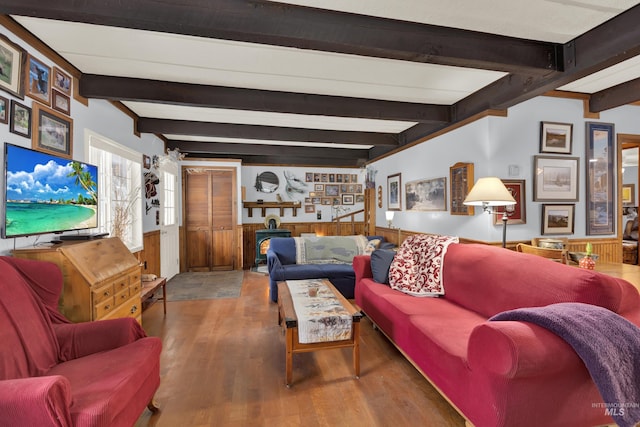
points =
(281, 262)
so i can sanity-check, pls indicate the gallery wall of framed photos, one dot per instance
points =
(38, 106)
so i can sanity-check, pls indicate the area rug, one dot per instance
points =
(205, 285)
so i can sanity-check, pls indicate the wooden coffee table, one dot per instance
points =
(288, 319)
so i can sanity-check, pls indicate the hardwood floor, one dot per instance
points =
(223, 364)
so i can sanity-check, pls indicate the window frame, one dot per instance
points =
(100, 149)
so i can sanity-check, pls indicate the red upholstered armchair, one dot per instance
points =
(57, 373)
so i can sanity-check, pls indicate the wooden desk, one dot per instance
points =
(628, 272)
(148, 288)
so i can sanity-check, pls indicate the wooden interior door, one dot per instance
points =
(222, 219)
(209, 218)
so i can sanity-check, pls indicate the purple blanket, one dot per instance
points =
(608, 344)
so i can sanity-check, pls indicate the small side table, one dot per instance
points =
(148, 288)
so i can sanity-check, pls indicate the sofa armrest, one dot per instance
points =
(518, 350)
(362, 267)
(273, 262)
(36, 401)
(82, 339)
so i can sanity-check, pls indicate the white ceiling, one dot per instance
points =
(102, 50)
(549, 20)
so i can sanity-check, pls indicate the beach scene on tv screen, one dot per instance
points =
(45, 193)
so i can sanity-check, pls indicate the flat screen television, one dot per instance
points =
(44, 193)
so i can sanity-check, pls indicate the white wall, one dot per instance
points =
(249, 174)
(493, 144)
(100, 117)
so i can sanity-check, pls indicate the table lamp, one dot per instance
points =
(389, 216)
(489, 192)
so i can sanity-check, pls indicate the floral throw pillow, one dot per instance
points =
(417, 267)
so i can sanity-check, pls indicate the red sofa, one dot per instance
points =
(57, 373)
(505, 373)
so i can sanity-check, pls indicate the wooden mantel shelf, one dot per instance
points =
(275, 205)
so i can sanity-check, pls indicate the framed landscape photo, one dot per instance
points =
(516, 214)
(556, 137)
(555, 179)
(20, 119)
(558, 219)
(601, 198)
(393, 192)
(62, 81)
(53, 132)
(12, 60)
(38, 80)
(427, 195)
(348, 199)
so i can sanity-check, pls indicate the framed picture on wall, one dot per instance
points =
(20, 119)
(427, 195)
(4, 110)
(331, 189)
(557, 219)
(347, 199)
(555, 179)
(601, 199)
(62, 81)
(628, 195)
(516, 214)
(556, 137)
(61, 102)
(393, 192)
(52, 131)
(38, 80)
(13, 60)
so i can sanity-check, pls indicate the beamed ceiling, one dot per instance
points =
(337, 82)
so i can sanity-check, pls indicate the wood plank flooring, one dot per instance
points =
(223, 364)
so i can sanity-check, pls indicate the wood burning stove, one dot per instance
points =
(262, 241)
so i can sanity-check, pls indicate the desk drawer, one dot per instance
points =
(130, 308)
(121, 283)
(122, 296)
(103, 293)
(104, 308)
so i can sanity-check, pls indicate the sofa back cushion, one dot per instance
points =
(29, 347)
(489, 280)
(285, 248)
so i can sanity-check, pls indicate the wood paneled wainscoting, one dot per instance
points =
(319, 228)
(608, 249)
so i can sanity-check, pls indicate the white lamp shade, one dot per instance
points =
(489, 191)
(389, 215)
